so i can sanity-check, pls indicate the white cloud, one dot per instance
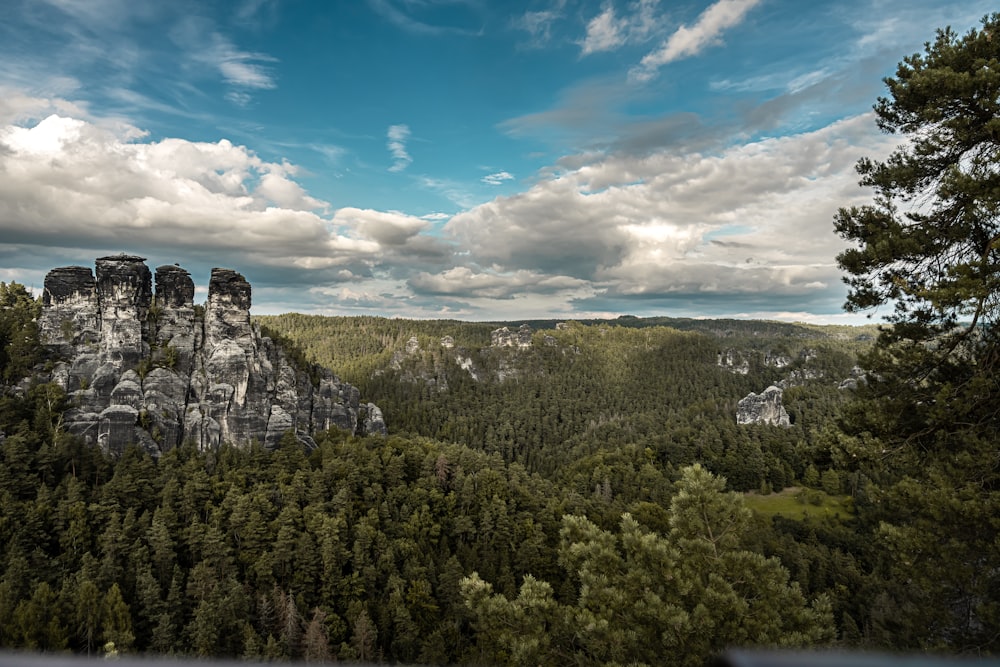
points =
(753, 219)
(497, 178)
(604, 32)
(16, 106)
(385, 227)
(397, 136)
(463, 281)
(685, 41)
(607, 31)
(70, 182)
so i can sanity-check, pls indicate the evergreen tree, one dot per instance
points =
(647, 599)
(926, 429)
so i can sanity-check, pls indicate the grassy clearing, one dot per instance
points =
(798, 503)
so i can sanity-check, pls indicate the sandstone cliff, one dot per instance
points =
(763, 408)
(157, 370)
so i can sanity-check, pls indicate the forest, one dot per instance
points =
(588, 498)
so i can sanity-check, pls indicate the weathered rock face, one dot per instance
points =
(124, 294)
(148, 370)
(765, 408)
(174, 317)
(504, 337)
(70, 315)
(733, 361)
(776, 360)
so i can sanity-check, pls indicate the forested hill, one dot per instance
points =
(356, 345)
(568, 400)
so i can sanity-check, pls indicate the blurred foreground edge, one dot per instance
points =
(749, 658)
(732, 658)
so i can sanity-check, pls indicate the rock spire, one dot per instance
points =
(152, 369)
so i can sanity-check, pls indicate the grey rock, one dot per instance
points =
(124, 294)
(116, 428)
(765, 408)
(800, 376)
(733, 361)
(374, 422)
(279, 422)
(412, 345)
(147, 370)
(504, 337)
(70, 317)
(175, 318)
(467, 365)
(776, 360)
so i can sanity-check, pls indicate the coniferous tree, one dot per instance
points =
(926, 428)
(644, 598)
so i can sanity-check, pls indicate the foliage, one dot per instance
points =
(643, 598)
(587, 400)
(19, 348)
(926, 429)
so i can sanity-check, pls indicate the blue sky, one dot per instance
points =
(468, 159)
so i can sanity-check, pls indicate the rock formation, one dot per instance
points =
(765, 408)
(733, 361)
(776, 360)
(504, 337)
(157, 371)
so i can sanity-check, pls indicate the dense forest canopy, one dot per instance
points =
(586, 497)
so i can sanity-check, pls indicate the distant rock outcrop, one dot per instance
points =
(777, 360)
(504, 337)
(157, 371)
(765, 408)
(733, 361)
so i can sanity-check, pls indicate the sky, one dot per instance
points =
(467, 159)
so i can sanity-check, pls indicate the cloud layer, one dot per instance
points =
(752, 219)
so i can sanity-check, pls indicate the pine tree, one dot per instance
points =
(926, 426)
(643, 598)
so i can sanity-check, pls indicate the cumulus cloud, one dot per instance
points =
(754, 218)
(16, 106)
(596, 231)
(689, 41)
(386, 227)
(608, 31)
(69, 182)
(397, 136)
